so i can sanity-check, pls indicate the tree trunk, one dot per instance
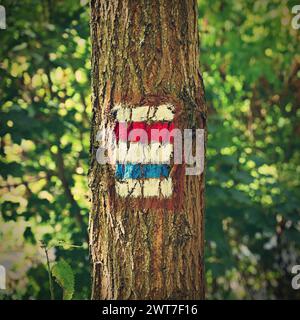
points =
(146, 52)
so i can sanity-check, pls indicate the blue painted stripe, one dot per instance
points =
(138, 171)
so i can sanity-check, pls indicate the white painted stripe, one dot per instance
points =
(148, 188)
(151, 187)
(124, 114)
(130, 187)
(164, 112)
(122, 188)
(140, 113)
(137, 152)
(166, 187)
(134, 188)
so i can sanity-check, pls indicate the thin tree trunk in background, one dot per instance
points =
(140, 50)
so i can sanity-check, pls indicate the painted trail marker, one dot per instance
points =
(150, 152)
(144, 151)
(143, 144)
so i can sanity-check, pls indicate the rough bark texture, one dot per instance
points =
(144, 49)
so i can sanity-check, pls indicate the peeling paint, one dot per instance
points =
(164, 112)
(147, 188)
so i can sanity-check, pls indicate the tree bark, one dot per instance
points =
(143, 51)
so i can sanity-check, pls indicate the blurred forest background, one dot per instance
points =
(250, 60)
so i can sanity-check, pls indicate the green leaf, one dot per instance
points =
(64, 276)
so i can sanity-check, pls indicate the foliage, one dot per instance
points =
(251, 68)
(45, 110)
(65, 277)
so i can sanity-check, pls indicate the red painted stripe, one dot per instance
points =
(152, 132)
